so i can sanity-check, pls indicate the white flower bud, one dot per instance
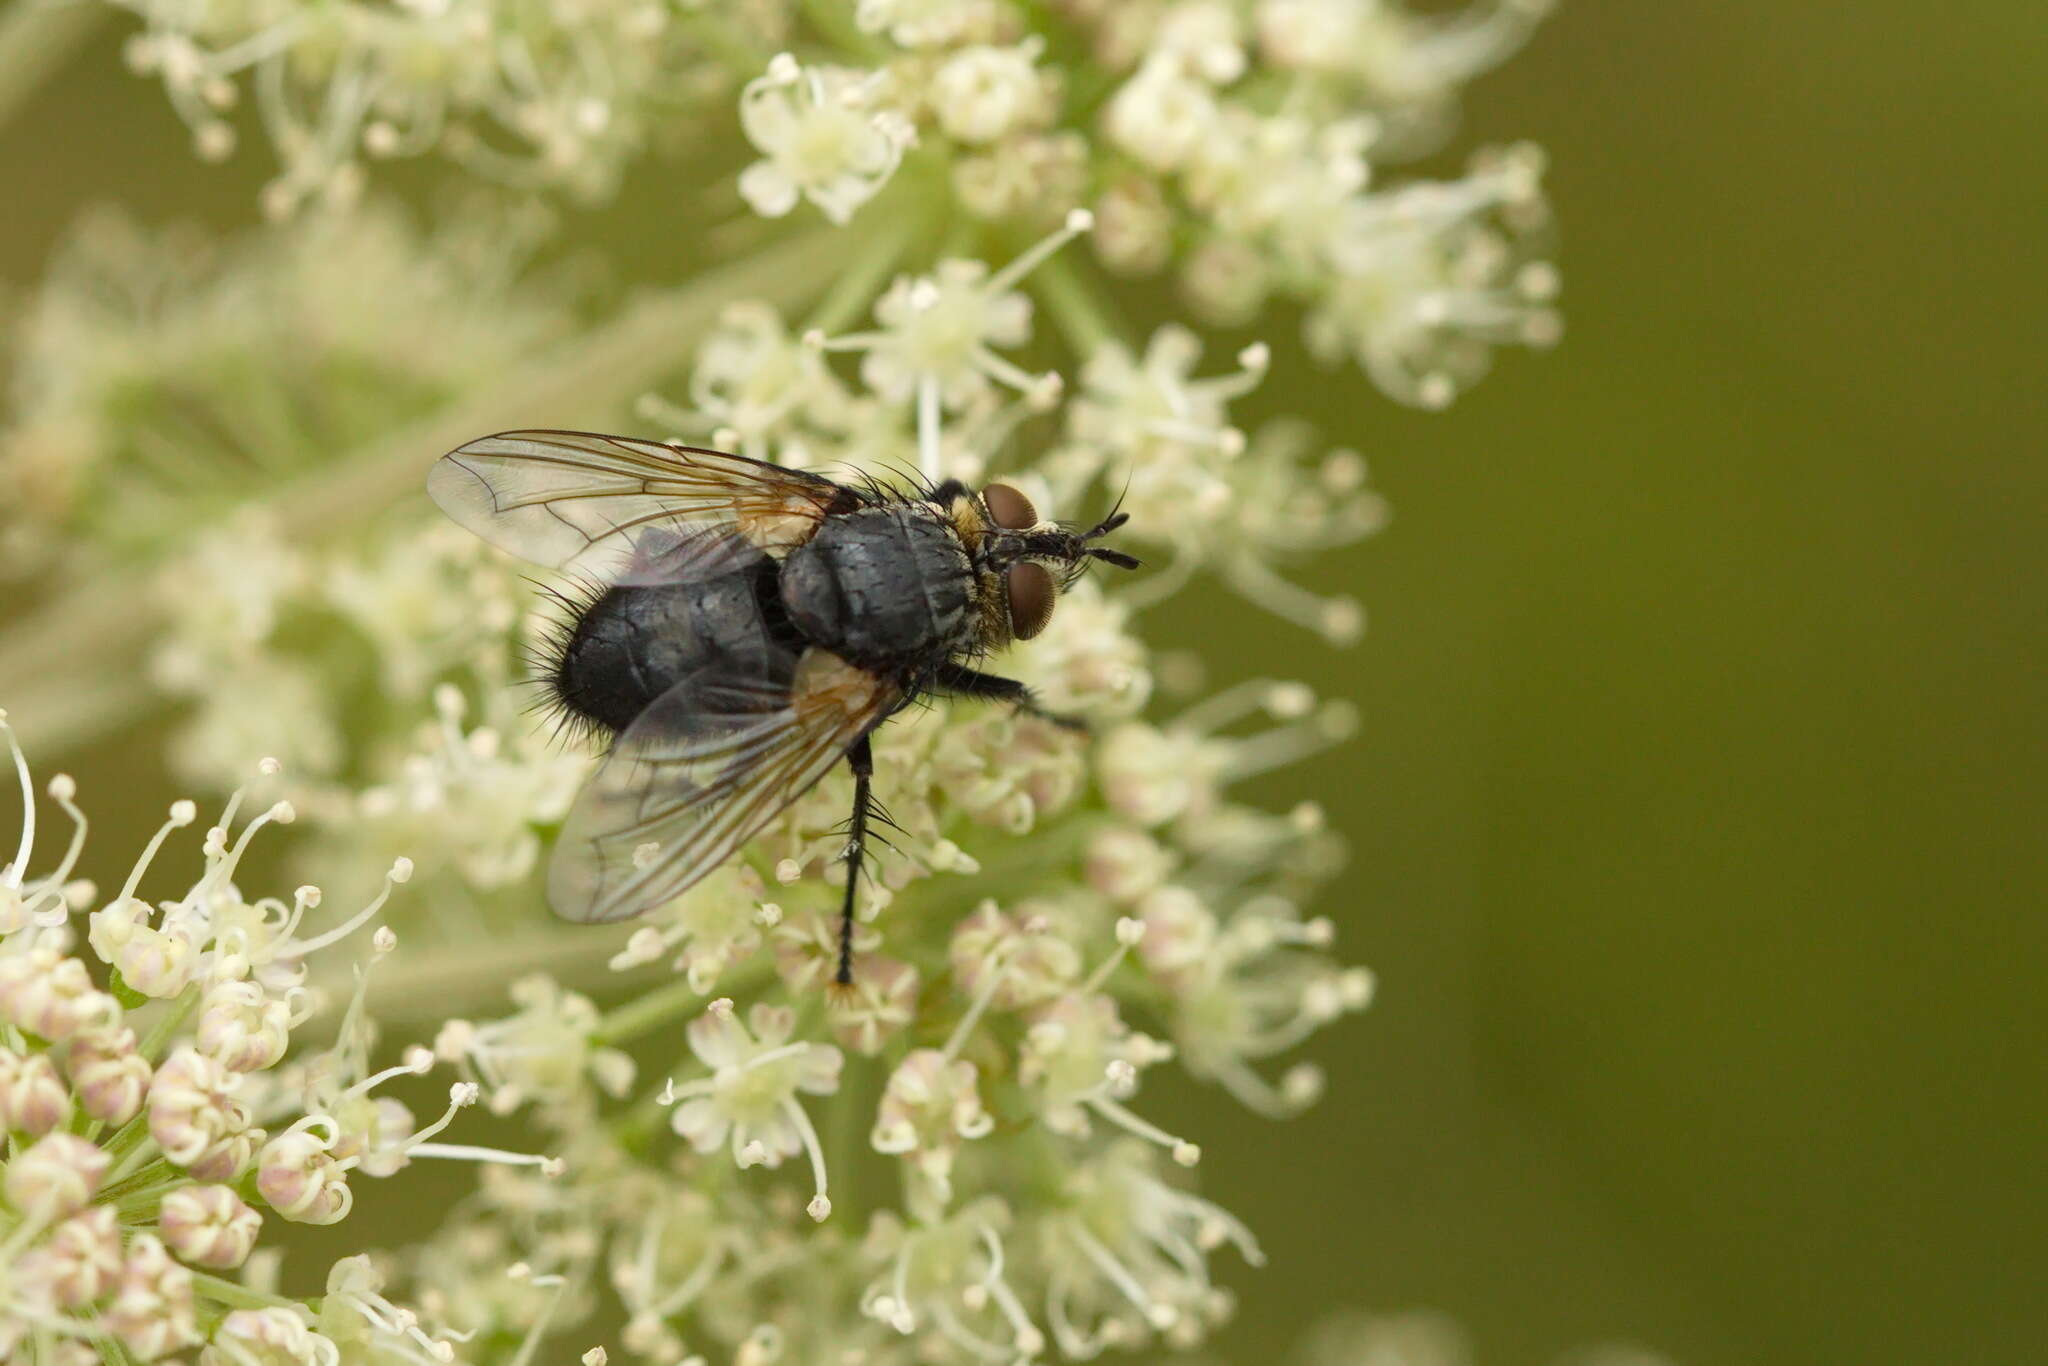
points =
(980, 94)
(300, 1178)
(51, 996)
(195, 1119)
(33, 1099)
(56, 1176)
(78, 1259)
(243, 1027)
(108, 1075)
(208, 1226)
(152, 1311)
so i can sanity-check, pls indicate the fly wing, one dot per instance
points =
(617, 509)
(703, 768)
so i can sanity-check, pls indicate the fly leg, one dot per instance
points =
(861, 758)
(958, 680)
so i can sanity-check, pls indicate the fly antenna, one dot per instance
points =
(1115, 557)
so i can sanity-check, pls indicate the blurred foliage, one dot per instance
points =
(1698, 810)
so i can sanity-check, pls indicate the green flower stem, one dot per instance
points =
(144, 1200)
(90, 628)
(235, 1295)
(862, 280)
(645, 1013)
(833, 21)
(169, 1023)
(1075, 306)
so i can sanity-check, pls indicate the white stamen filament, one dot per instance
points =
(62, 790)
(182, 815)
(991, 983)
(17, 871)
(464, 1152)
(821, 1204)
(1118, 1275)
(400, 871)
(1185, 1153)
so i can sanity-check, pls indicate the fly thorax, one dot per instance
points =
(888, 588)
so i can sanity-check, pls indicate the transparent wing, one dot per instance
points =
(615, 508)
(708, 763)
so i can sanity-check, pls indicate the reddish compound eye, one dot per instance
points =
(1009, 509)
(1031, 593)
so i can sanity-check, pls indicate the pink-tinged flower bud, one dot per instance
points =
(882, 1001)
(243, 1027)
(208, 1226)
(1180, 936)
(1031, 965)
(77, 1261)
(301, 1180)
(1123, 864)
(930, 1106)
(228, 1156)
(33, 1098)
(56, 1176)
(279, 1335)
(50, 995)
(194, 1117)
(108, 1075)
(152, 1309)
(155, 962)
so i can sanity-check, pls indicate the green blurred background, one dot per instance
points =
(1698, 813)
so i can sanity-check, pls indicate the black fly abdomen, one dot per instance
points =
(635, 642)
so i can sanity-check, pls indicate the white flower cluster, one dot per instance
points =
(1239, 142)
(956, 1158)
(530, 92)
(154, 1124)
(1236, 143)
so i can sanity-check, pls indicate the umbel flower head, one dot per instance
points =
(960, 1157)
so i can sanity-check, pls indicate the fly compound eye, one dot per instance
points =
(1031, 593)
(1009, 509)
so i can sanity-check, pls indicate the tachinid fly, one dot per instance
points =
(749, 627)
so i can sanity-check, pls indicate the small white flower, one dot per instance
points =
(1161, 116)
(751, 1093)
(929, 1108)
(822, 137)
(980, 94)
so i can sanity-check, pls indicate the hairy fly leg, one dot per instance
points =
(861, 759)
(957, 680)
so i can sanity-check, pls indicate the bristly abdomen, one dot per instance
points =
(621, 647)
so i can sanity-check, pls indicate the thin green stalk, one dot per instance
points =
(857, 287)
(1075, 305)
(169, 1023)
(235, 1295)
